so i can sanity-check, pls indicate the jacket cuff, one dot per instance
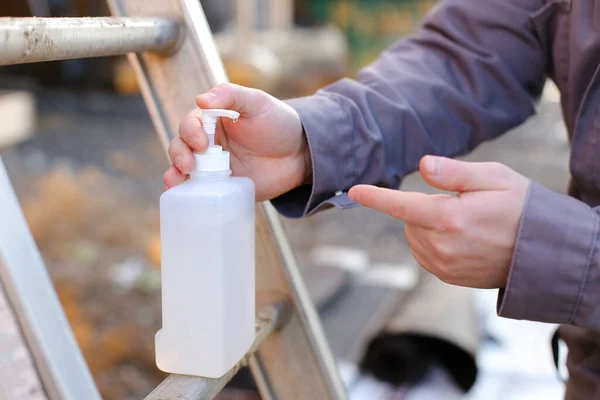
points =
(330, 140)
(551, 258)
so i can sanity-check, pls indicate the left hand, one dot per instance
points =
(467, 239)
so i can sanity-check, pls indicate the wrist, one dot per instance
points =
(303, 155)
(307, 161)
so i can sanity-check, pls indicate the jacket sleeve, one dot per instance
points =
(555, 271)
(472, 72)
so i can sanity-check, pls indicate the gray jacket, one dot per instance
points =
(471, 73)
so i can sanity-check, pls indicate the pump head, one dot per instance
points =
(214, 158)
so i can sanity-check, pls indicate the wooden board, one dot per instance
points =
(296, 363)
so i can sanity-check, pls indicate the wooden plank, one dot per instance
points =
(282, 15)
(245, 27)
(181, 387)
(29, 290)
(170, 84)
(297, 360)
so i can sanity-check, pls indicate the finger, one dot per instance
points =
(248, 102)
(413, 208)
(181, 156)
(191, 132)
(419, 252)
(173, 177)
(461, 176)
(428, 241)
(422, 258)
(413, 237)
(422, 261)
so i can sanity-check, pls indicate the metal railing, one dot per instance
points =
(26, 40)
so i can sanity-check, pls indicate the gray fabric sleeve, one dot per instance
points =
(555, 271)
(471, 73)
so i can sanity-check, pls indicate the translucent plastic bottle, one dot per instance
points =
(207, 245)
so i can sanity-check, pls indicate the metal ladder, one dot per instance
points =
(171, 48)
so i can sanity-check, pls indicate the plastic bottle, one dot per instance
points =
(207, 251)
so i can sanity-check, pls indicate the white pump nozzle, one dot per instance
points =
(214, 158)
(209, 121)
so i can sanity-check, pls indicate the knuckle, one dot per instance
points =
(503, 174)
(452, 223)
(420, 260)
(195, 114)
(186, 164)
(184, 125)
(452, 219)
(460, 178)
(177, 144)
(227, 86)
(168, 176)
(443, 251)
(498, 167)
(447, 274)
(456, 174)
(172, 149)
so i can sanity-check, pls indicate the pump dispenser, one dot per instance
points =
(207, 252)
(214, 158)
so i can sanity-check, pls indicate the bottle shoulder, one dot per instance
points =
(211, 187)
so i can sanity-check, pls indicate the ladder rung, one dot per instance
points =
(25, 40)
(183, 387)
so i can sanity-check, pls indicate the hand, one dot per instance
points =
(467, 239)
(267, 143)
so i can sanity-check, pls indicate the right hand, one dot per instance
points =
(267, 144)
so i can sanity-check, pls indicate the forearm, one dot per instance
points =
(469, 75)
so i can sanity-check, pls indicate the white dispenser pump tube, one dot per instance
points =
(214, 158)
(209, 121)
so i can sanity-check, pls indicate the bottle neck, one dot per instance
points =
(210, 174)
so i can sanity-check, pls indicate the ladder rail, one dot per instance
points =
(27, 40)
(270, 318)
(297, 359)
(28, 288)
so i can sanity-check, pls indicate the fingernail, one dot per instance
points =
(432, 165)
(179, 161)
(207, 97)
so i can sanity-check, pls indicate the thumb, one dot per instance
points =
(461, 176)
(247, 101)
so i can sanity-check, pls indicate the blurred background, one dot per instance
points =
(87, 168)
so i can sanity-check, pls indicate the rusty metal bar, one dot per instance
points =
(26, 40)
(183, 387)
